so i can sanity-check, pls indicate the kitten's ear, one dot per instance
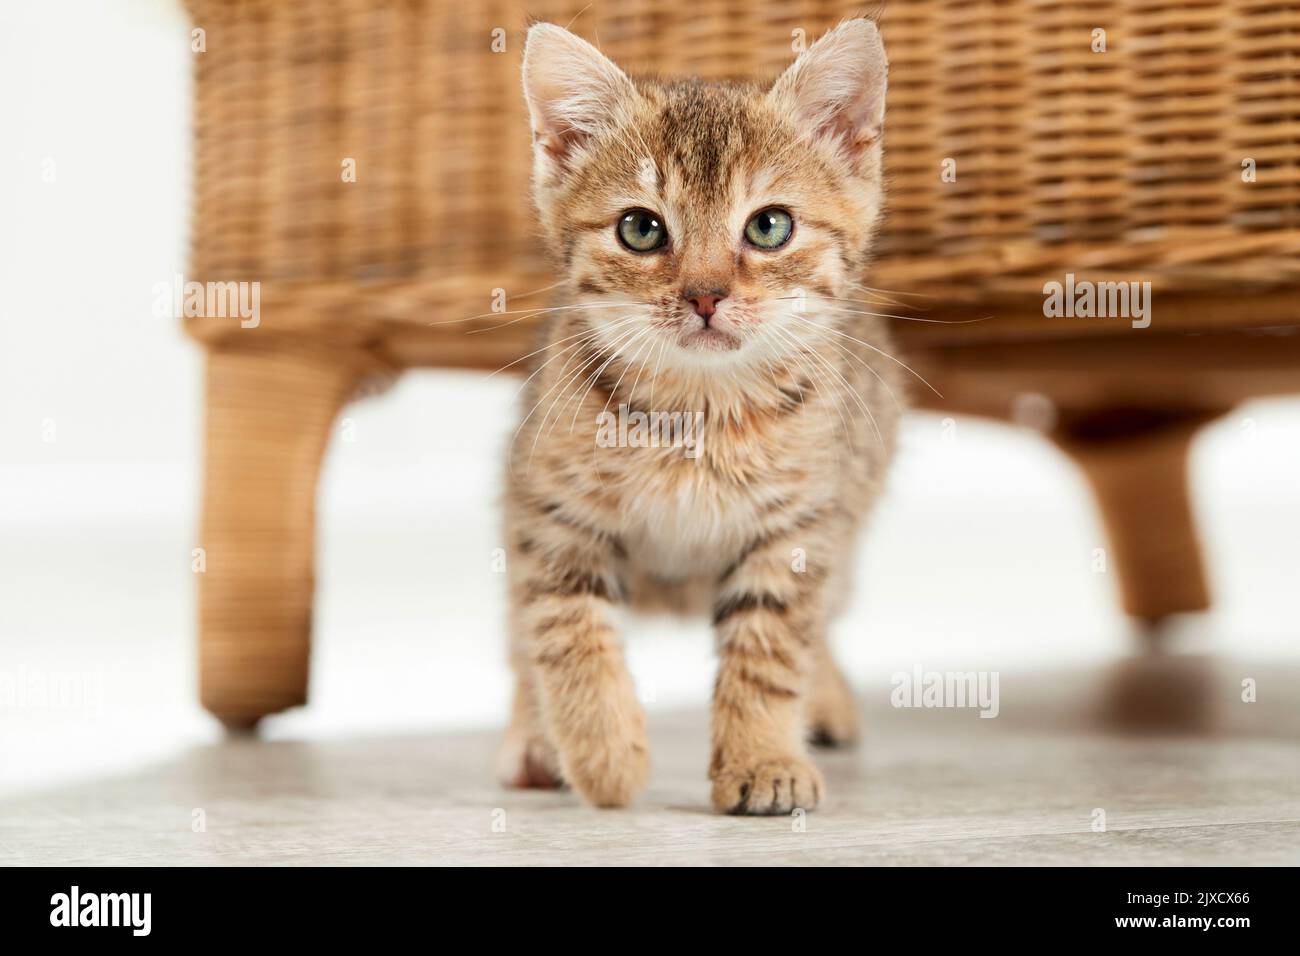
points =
(572, 90)
(836, 89)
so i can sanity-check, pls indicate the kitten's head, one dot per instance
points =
(703, 216)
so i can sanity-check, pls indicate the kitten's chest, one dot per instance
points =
(684, 516)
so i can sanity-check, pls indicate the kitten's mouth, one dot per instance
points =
(709, 338)
(715, 333)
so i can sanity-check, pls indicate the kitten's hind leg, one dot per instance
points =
(832, 712)
(527, 759)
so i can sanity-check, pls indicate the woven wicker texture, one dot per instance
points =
(1123, 164)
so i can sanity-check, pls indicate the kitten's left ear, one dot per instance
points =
(573, 90)
(836, 89)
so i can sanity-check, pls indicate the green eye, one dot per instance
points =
(769, 229)
(641, 231)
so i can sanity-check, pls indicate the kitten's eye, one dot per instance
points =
(641, 231)
(769, 229)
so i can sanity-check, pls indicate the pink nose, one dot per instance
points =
(705, 303)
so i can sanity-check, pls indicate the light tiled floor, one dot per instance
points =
(1162, 750)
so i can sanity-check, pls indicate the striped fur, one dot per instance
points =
(797, 401)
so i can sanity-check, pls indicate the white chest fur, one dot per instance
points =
(684, 521)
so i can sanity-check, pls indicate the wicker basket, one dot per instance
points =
(1124, 163)
(1120, 164)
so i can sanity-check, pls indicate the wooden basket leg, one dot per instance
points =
(269, 417)
(1136, 463)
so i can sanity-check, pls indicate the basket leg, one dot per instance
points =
(1136, 463)
(269, 417)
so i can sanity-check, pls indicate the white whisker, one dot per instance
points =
(543, 349)
(854, 393)
(589, 335)
(615, 353)
(536, 311)
(905, 318)
(542, 426)
(564, 379)
(818, 378)
(867, 365)
(827, 328)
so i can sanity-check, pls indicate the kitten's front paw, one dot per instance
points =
(608, 771)
(767, 786)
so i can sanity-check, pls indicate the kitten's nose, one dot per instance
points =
(705, 303)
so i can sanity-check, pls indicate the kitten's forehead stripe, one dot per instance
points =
(702, 154)
(648, 174)
(701, 123)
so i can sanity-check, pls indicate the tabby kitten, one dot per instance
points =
(709, 235)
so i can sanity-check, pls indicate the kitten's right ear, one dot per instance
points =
(572, 91)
